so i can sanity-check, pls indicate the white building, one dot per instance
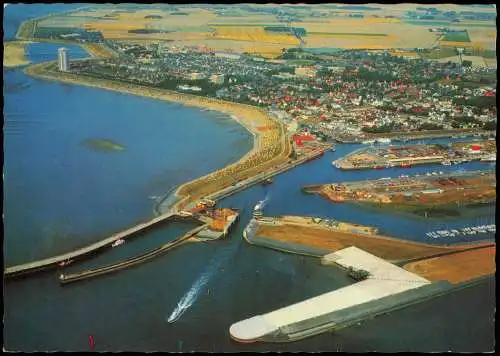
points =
(217, 78)
(63, 59)
(233, 56)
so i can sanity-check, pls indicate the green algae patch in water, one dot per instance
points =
(103, 145)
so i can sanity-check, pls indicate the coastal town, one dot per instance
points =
(349, 95)
(369, 156)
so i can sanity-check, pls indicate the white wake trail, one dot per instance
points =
(190, 297)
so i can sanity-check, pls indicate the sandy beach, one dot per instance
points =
(270, 146)
(14, 54)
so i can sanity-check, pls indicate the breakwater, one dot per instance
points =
(79, 276)
(88, 250)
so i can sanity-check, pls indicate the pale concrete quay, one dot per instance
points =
(387, 288)
(53, 261)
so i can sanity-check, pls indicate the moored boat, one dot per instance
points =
(118, 242)
(267, 181)
(65, 263)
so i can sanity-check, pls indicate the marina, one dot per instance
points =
(463, 232)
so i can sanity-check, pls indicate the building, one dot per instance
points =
(217, 78)
(63, 59)
(196, 76)
(233, 56)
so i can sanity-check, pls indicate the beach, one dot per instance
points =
(14, 54)
(270, 146)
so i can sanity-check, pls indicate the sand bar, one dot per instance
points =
(14, 53)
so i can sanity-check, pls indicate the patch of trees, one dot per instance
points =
(460, 121)
(380, 129)
(484, 102)
(374, 76)
(466, 63)
(430, 126)
(490, 125)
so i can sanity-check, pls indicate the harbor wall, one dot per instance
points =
(288, 247)
(345, 317)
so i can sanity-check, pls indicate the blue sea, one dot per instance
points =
(59, 195)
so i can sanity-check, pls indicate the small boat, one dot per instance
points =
(267, 181)
(65, 263)
(118, 242)
(446, 163)
(333, 148)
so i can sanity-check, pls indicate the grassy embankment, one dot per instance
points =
(457, 267)
(388, 248)
(271, 147)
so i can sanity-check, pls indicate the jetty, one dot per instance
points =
(387, 288)
(68, 278)
(87, 250)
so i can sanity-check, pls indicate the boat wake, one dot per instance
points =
(190, 297)
(261, 204)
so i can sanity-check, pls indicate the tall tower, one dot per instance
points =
(62, 59)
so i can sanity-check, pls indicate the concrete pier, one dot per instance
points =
(321, 313)
(56, 260)
(129, 262)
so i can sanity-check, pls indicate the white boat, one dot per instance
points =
(368, 142)
(118, 243)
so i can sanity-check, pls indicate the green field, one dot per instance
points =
(300, 62)
(242, 24)
(428, 23)
(348, 34)
(456, 37)
(474, 25)
(445, 52)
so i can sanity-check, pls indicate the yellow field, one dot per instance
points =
(196, 28)
(455, 44)
(252, 34)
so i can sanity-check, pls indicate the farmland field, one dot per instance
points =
(456, 36)
(241, 29)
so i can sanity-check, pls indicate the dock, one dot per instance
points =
(379, 157)
(79, 276)
(87, 250)
(387, 288)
